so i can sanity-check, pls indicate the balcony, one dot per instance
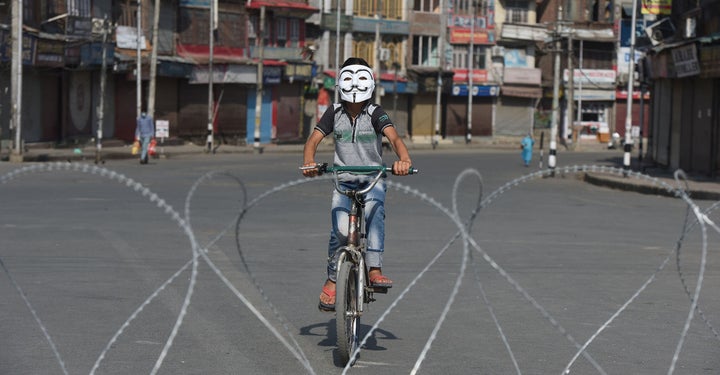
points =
(329, 22)
(387, 27)
(525, 32)
(277, 53)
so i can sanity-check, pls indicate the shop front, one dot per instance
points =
(594, 96)
(423, 124)
(483, 99)
(519, 95)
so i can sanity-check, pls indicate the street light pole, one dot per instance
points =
(552, 154)
(138, 61)
(16, 71)
(211, 77)
(337, 53)
(631, 81)
(259, 95)
(471, 67)
(441, 63)
(153, 62)
(378, 46)
(101, 105)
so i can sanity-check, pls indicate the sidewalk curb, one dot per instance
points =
(646, 187)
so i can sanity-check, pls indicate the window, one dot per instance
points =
(516, 11)
(427, 6)
(294, 33)
(461, 55)
(195, 25)
(462, 7)
(364, 8)
(479, 53)
(230, 30)
(425, 51)
(393, 9)
(253, 30)
(364, 48)
(281, 31)
(390, 9)
(394, 45)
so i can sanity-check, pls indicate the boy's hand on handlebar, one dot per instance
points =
(310, 169)
(401, 167)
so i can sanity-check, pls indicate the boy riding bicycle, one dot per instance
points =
(358, 127)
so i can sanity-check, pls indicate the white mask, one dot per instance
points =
(356, 83)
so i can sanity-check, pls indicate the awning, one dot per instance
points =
(288, 8)
(596, 35)
(521, 91)
(593, 94)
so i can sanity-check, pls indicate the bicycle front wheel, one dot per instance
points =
(347, 316)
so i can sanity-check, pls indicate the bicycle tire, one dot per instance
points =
(346, 310)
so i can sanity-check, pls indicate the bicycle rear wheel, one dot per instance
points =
(346, 310)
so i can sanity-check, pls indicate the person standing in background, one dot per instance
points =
(526, 145)
(144, 132)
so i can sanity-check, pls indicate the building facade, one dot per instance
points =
(447, 70)
(681, 70)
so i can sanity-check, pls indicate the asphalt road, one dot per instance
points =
(130, 269)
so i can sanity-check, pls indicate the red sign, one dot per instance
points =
(479, 75)
(622, 94)
(462, 36)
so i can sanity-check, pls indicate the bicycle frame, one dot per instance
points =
(355, 249)
(353, 290)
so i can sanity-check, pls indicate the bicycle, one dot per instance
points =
(353, 291)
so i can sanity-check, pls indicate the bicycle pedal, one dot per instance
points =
(378, 289)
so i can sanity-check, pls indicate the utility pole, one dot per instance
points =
(552, 153)
(441, 63)
(259, 95)
(153, 62)
(211, 77)
(337, 53)
(571, 93)
(471, 67)
(631, 80)
(580, 84)
(138, 61)
(16, 84)
(378, 46)
(101, 105)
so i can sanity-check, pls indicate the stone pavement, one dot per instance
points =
(648, 181)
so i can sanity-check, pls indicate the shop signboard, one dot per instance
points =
(686, 61)
(477, 90)
(479, 75)
(523, 76)
(626, 31)
(91, 54)
(710, 61)
(126, 37)
(597, 77)
(272, 75)
(623, 59)
(656, 7)
(29, 47)
(463, 36)
(5, 46)
(50, 53)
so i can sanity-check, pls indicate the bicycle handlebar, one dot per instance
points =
(378, 171)
(325, 168)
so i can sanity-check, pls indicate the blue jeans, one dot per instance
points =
(374, 223)
(144, 142)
